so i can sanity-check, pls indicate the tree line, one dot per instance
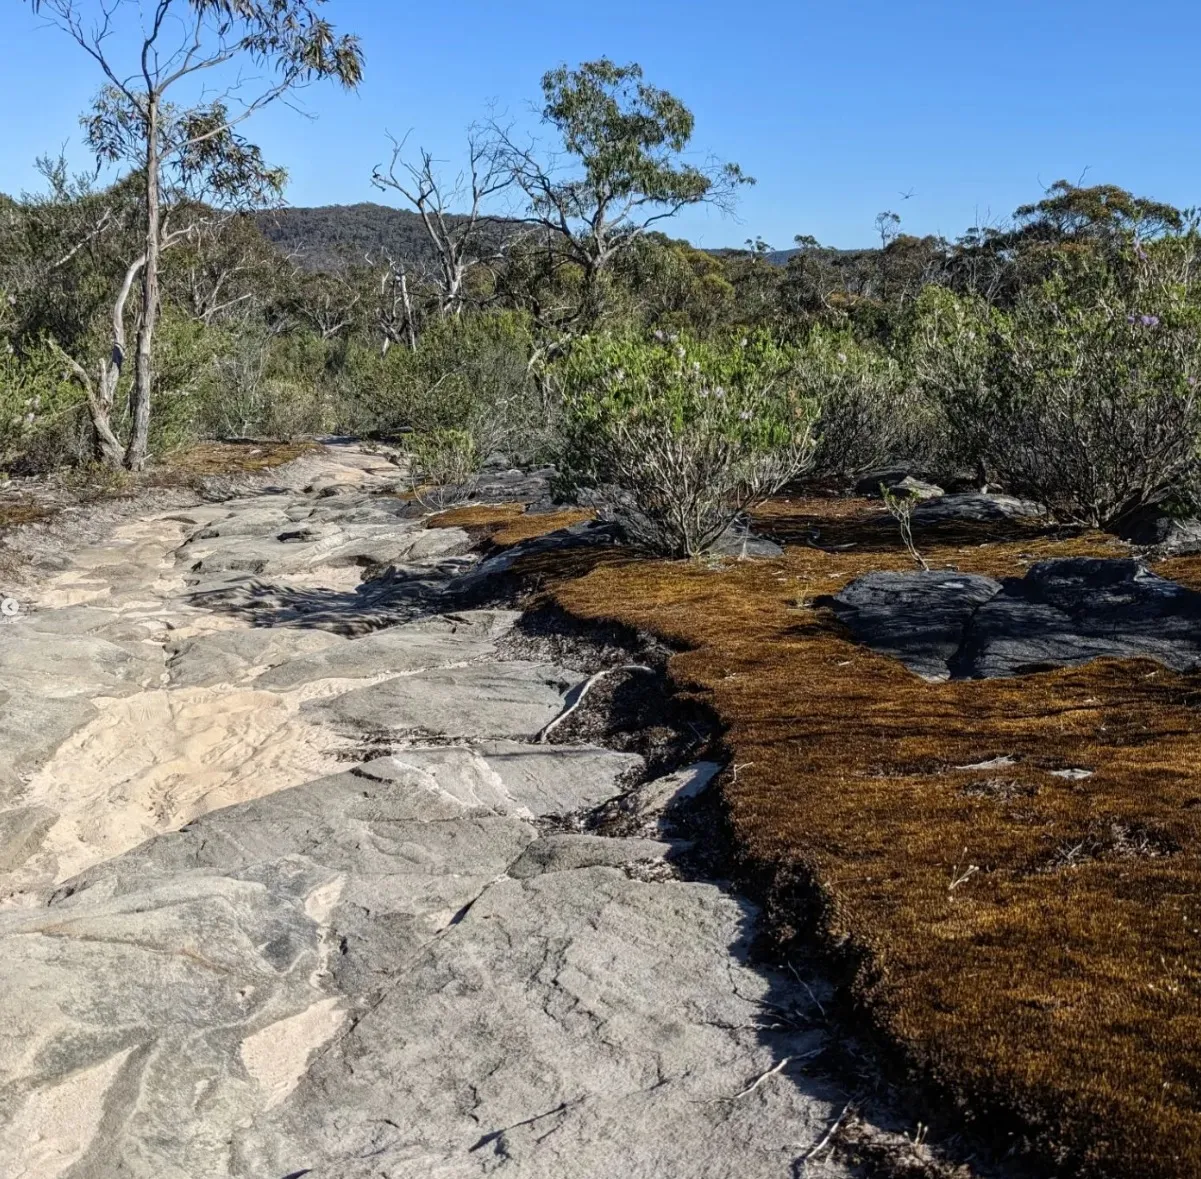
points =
(151, 309)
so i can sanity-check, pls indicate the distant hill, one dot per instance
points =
(331, 237)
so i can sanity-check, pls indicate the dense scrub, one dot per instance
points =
(1028, 941)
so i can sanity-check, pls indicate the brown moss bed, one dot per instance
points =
(501, 526)
(1028, 942)
(209, 459)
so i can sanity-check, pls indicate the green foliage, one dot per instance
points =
(446, 464)
(470, 374)
(682, 435)
(42, 415)
(871, 415)
(1085, 395)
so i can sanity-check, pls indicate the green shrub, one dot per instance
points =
(871, 416)
(446, 465)
(1085, 395)
(471, 373)
(43, 415)
(679, 437)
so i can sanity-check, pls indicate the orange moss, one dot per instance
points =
(1031, 941)
(486, 517)
(229, 458)
(539, 524)
(12, 515)
(504, 525)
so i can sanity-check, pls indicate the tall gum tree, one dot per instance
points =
(622, 169)
(188, 156)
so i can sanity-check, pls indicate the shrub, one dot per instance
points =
(1085, 395)
(680, 437)
(446, 467)
(870, 415)
(43, 418)
(470, 373)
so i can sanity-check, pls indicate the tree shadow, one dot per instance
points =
(396, 596)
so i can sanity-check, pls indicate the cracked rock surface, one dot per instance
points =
(287, 887)
(1064, 612)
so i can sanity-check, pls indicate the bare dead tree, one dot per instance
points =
(135, 122)
(461, 234)
(395, 314)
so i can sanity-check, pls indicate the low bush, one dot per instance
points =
(681, 437)
(446, 466)
(871, 416)
(43, 417)
(1083, 396)
(470, 374)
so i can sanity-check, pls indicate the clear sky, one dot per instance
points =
(835, 106)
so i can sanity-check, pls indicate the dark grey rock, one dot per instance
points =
(1152, 527)
(1062, 613)
(918, 618)
(974, 507)
(1066, 612)
(739, 541)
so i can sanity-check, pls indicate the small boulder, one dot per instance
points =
(1152, 527)
(900, 480)
(975, 507)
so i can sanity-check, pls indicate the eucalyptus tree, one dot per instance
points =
(154, 118)
(619, 171)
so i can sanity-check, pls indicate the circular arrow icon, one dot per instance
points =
(10, 607)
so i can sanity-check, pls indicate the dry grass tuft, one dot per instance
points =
(1030, 941)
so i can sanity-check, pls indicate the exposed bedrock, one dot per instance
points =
(1062, 613)
(288, 886)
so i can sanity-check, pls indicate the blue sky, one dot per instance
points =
(836, 107)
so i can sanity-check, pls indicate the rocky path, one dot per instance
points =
(285, 887)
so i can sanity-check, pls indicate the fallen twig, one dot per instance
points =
(828, 1136)
(541, 739)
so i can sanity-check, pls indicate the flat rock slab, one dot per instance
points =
(364, 976)
(573, 1024)
(516, 699)
(393, 651)
(1061, 614)
(229, 952)
(918, 618)
(974, 508)
(513, 777)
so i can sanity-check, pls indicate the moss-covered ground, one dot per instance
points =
(1030, 944)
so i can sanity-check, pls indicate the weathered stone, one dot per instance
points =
(381, 972)
(918, 618)
(228, 656)
(515, 699)
(1067, 612)
(514, 777)
(1062, 613)
(974, 508)
(900, 480)
(739, 541)
(1152, 527)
